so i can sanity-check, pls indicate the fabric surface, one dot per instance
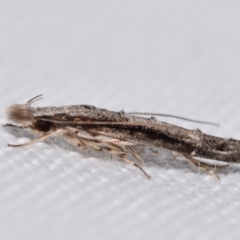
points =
(176, 57)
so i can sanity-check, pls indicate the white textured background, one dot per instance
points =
(177, 57)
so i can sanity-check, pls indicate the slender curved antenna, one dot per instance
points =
(173, 116)
(34, 99)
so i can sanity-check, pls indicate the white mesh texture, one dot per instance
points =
(177, 57)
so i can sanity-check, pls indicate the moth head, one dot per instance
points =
(22, 114)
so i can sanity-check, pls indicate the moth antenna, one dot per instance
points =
(34, 99)
(173, 116)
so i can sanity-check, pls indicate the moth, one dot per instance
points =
(121, 133)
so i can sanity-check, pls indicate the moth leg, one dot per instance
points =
(112, 148)
(114, 141)
(14, 126)
(209, 165)
(36, 140)
(118, 142)
(123, 157)
(209, 168)
(135, 154)
(175, 155)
